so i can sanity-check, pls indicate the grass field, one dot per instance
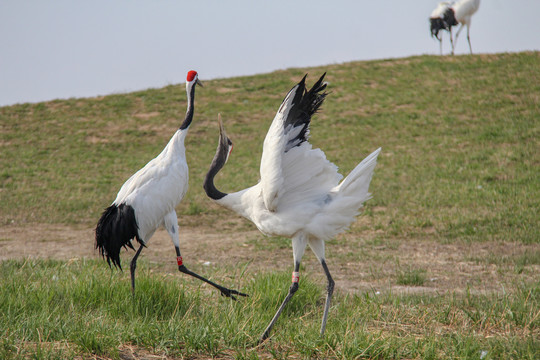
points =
(56, 309)
(444, 263)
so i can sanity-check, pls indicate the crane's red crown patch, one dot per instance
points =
(191, 75)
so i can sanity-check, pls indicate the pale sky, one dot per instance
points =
(53, 49)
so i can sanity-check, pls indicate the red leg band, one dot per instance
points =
(179, 260)
(295, 276)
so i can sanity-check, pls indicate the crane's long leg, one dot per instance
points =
(171, 225)
(329, 292)
(292, 290)
(224, 291)
(469, 39)
(451, 40)
(457, 34)
(299, 243)
(132, 267)
(317, 245)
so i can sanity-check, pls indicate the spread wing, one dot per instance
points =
(291, 170)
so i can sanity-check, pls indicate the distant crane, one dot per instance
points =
(461, 12)
(299, 194)
(438, 22)
(148, 199)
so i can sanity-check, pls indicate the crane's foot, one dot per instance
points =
(230, 293)
(264, 337)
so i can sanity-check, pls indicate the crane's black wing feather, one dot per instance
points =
(304, 105)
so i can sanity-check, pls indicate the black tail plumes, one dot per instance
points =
(438, 24)
(115, 229)
(305, 104)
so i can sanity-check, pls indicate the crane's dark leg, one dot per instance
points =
(170, 221)
(132, 268)
(457, 34)
(224, 291)
(451, 40)
(292, 290)
(329, 292)
(469, 39)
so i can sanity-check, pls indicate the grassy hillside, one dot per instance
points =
(460, 138)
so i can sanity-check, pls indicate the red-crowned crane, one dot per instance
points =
(148, 199)
(461, 12)
(299, 194)
(438, 23)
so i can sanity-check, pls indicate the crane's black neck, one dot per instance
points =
(217, 164)
(190, 107)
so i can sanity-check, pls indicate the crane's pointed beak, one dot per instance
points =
(222, 132)
(225, 144)
(199, 82)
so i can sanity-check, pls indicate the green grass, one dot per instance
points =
(413, 277)
(460, 166)
(52, 309)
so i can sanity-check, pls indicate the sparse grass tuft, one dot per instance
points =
(411, 277)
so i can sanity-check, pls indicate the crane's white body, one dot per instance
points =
(448, 14)
(299, 194)
(155, 190)
(148, 199)
(464, 10)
